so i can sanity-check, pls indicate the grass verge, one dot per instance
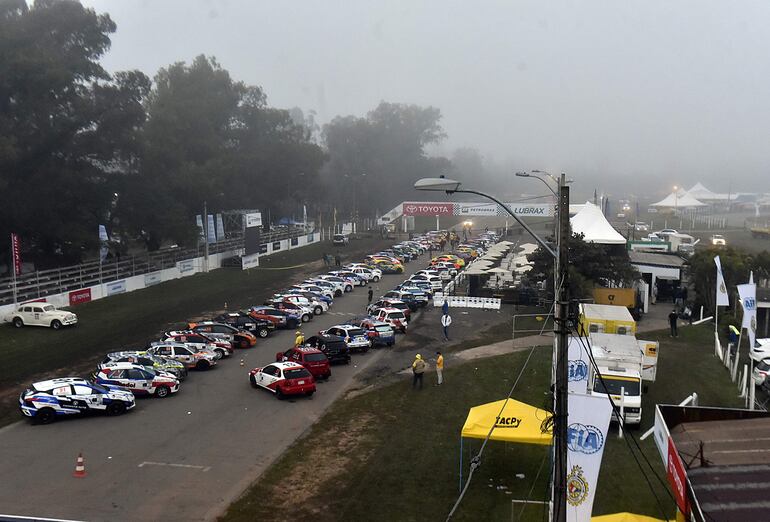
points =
(392, 453)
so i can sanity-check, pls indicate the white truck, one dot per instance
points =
(624, 363)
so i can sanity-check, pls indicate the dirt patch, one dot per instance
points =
(334, 458)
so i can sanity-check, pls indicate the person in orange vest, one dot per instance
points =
(439, 369)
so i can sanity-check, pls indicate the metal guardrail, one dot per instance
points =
(42, 283)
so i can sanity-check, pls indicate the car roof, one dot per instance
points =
(123, 366)
(388, 309)
(285, 365)
(55, 383)
(307, 349)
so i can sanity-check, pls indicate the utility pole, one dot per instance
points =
(205, 222)
(561, 331)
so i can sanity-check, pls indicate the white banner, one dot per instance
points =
(212, 229)
(748, 295)
(723, 299)
(199, 222)
(536, 210)
(493, 209)
(579, 363)
(589, 421)
(103, 239)
(254, 219)
(476, 209)
(249, 261)
(115, 287)
(220, 227)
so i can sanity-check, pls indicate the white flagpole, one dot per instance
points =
(13, 271)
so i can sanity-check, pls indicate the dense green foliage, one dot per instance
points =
(80, 147)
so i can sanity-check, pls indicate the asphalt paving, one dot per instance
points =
(186, 457)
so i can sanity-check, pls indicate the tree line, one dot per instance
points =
(80, 147)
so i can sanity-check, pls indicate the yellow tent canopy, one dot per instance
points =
(518, 422)
(625, 517)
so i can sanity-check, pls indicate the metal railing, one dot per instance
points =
(42, 283)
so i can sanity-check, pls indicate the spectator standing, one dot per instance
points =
(672, 317)
(439, 369)
(418, 369)
(445, 307)
(337, 260)
(326, 260)
(299, 339)
(370, 294)
(446, 320)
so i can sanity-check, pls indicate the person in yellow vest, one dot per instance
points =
(439, 368)
(418, 369)
(299, 339)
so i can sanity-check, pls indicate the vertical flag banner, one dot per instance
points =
(579, 363)
(589, 422)
(220, 227)
(16, 254)
(304, 215)
(748, 294)
(199, 222)
(212, 228)
(103, 239)
(723, 299)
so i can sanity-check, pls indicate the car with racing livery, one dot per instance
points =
(41, 314)
(191, 357)
(355, 337)
(303, 313)
(313, 304)
(243, 321)
(137, 379)
(149, 361)
(394, 317)
(390, 303)
(237, 338)
(380, 333)
(283, 379)
(45, 401)
(199, 341)
(280, 318)
(311, 358)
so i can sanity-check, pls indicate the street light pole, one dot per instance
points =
(561, 326)
(205, 222)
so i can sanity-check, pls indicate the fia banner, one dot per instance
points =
(212, 229)
(579, 363)
(589, 421)
(723, 299)
(16, 254)
(220, 227)
(748, 294)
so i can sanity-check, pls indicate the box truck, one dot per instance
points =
(600, 318)
(624, 363)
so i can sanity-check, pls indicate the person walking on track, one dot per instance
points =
(446, 320)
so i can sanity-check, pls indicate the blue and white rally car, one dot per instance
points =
(45, 400)
(355, 337)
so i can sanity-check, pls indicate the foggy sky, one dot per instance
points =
(642, 95)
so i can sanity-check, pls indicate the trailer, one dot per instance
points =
(601, 318)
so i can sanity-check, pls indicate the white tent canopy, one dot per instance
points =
(698, 191)
(674, 201)
(594, 226)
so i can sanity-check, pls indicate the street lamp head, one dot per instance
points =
(441, 184)
(523, 174)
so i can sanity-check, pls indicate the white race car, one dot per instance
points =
(355, 336)
(137, 379)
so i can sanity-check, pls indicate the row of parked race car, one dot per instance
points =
(159, 369)
(297, 369)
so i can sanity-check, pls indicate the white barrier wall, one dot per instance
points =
(183, 268)
(486, 303)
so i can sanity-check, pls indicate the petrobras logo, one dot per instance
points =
(582, 438)
(749, 304)
(578, 371)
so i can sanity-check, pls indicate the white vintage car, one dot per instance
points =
(41, 314)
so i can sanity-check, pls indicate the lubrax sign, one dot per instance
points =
(507, 422)
(427, 208)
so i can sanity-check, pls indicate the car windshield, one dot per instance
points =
(295, 373)
(98, 388)
(400, 306)
(612, 385)
(355, 331)
(48, 308)
(315, 357)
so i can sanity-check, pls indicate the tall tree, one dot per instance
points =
(53, 185)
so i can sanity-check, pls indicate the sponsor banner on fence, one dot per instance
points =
(579, 363)
(294, 241)
(428, 209)
(493, 209)
(188, 265)
(115, 287)
(152, 279)
(253, 219)
(80, 296)
(589, 421)
(677, 478)
(263, 248)
(276, 245)
(537, 210)
(476, 209)
(249, 261)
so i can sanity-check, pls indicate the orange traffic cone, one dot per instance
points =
(80, 467)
